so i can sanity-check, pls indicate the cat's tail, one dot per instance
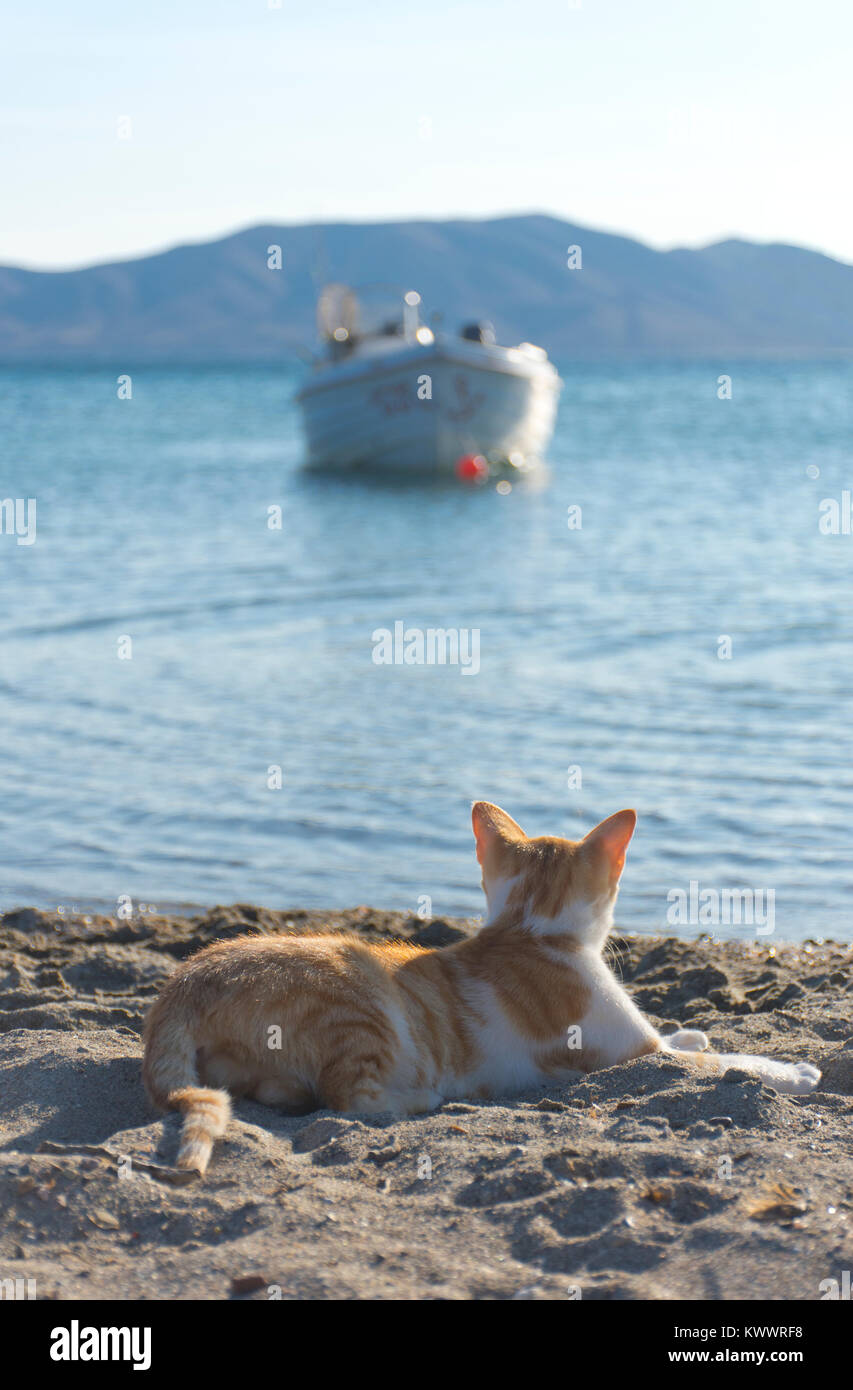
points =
(791, 1078)
(171, 1079)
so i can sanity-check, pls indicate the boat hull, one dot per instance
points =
(420, 409)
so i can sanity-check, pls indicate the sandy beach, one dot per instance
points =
(640, 1182)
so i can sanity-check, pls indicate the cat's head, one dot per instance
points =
(553, 886)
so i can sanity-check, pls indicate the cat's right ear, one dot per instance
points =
(493, 829)
(609, 841)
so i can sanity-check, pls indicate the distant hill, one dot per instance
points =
(219, 302)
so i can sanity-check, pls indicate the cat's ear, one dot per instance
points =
(609, 841)
(493, 829)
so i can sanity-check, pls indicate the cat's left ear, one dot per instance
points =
(610, 839)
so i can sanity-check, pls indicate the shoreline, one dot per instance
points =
(374, 922)
(642, 1181)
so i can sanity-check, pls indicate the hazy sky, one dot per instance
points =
(672, 120)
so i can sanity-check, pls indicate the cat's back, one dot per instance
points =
(336, 961)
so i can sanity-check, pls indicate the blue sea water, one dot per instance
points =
(600, 648)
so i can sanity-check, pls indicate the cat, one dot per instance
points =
(333, 1021)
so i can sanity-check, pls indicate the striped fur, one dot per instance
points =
(333, 1021)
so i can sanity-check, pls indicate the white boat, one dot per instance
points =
(404, 398)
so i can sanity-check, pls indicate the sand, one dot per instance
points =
(639, 1182)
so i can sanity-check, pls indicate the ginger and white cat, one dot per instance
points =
(304, 1022)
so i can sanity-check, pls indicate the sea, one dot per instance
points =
(220, 674)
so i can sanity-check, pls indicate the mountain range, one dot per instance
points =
(220, 302)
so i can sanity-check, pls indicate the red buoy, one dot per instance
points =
(472, 468)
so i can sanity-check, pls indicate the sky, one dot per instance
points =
(125, 129)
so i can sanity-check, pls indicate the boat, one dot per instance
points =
(405, 397)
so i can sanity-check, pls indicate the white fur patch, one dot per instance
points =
(687, 1040)
(791, 1078)
(613, 1027)
(508, 1062)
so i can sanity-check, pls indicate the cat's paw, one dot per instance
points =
(688, 1040)
(804, 1078)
